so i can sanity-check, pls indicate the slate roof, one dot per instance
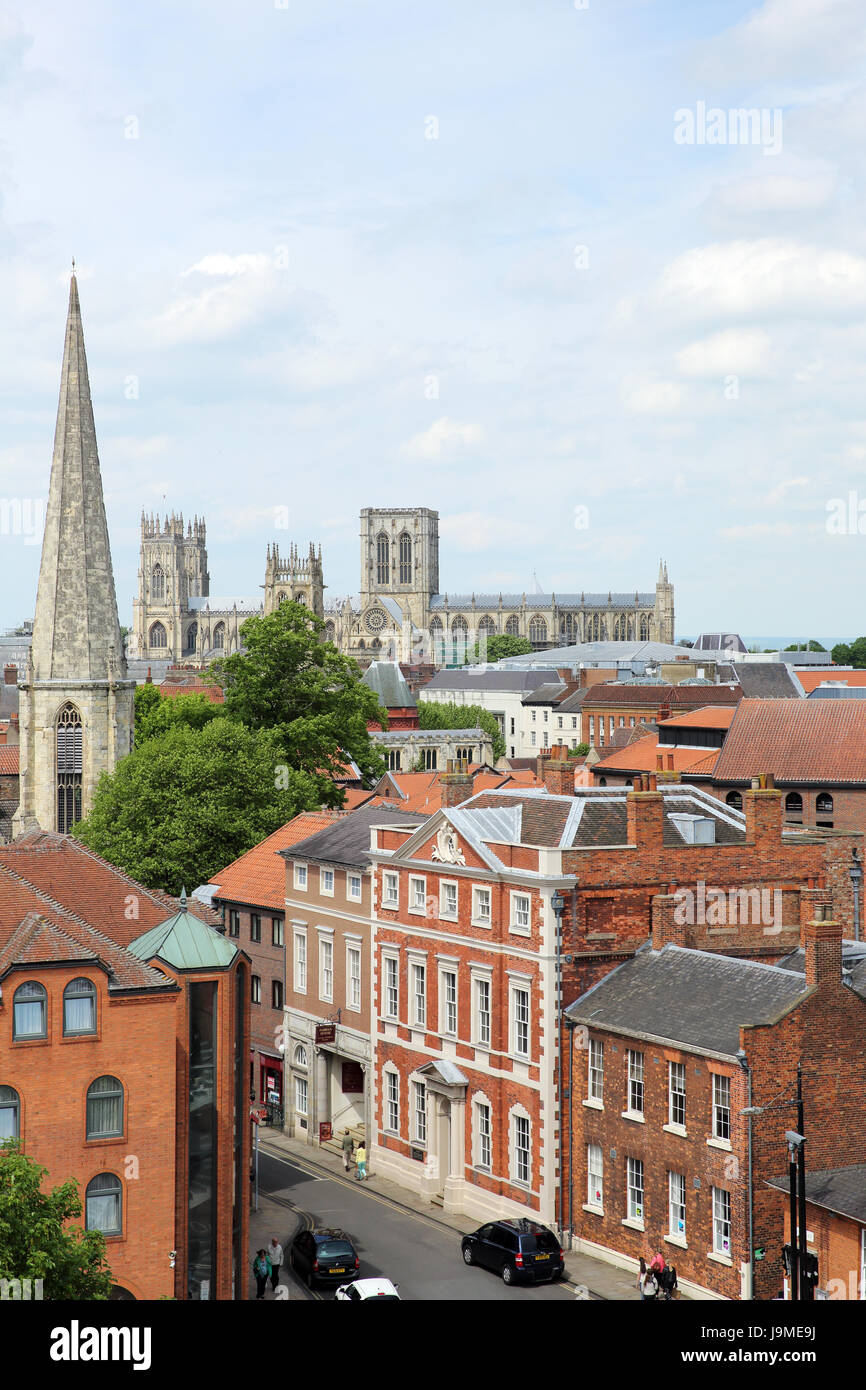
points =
(691, 998)
(797, 741)
(837, 692)
(470, 678)
(719, 642)
(853, 964)
(840, 1190)
(676, 696)
(347, 841)
(428, 735)
(389, 683)
(766, 680)
(259, 876)
(484, 603)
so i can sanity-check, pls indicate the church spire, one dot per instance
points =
(76, 635)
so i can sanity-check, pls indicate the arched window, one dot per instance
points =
(537, 629)
(329, 632)
(79, 1007)
(568, 629)
(300, 1056)
(30, 1011)
(735, 800)
(104, 1205)
(157, 584)
(593, 628)
(281, 597)
(375, 644)
(362, 645)
(459, 638)
(824, 804)
(487, 626)
(512, 626)
(301, 598)
(793, 805)
(191, 637)
(383, 559)
(69, 768)
(602, 781)
(219, 636)
(644, 627)
(437, 640)
(158, 635)
(405, 559)
(10, 1114)
(104, 1108)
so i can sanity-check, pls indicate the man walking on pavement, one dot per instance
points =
(275, 1255)
(348, 1149)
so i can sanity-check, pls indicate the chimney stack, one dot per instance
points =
(456, 783)
(10, 673)
(645, 814)
(822, 944)
(666, 930)
(557, 771)
(762, 808)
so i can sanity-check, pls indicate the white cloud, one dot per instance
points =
(647, 397)
(776, 193)
(758, 528)
(474, 531)
(787, 38)
(220, 263)
(444, 439)
(732, 351)
(740, 279)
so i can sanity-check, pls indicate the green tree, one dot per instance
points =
(156, 717)
(305, 691)
(810, 646)
(189, 801)
(850, 653)
(499, 645)
(36, 1241)
(433, 714)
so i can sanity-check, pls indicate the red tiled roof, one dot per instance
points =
(709, 717)
(815, 676)
(259, 876)
(642, 756)
(797, 741)
(422, 791)
(9, 759)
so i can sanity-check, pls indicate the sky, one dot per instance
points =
(499, 258)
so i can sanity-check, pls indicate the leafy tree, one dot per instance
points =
(305, 691)
(810, 646)
(434, 714)
(580, 751)
(850, 654)
(153, 718)
(188, 801)
(499, 645)
(36, 1241)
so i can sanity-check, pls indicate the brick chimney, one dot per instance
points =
(762, 808)
(456, 783)
(10, 673)
(645, 814)
(557, 771)
(666, 931)
(822, 944)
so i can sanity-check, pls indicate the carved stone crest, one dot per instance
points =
(446, 849)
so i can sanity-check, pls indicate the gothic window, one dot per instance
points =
(405, 559)
(329, 632)
(644, 628)
(592, 628)
(300, 598)
(281, 597)
(568, 629)
(537, 630)
(383, 559)
(157, 585)
(69, 768)
(487, 626)
(437, 640)
(191, 637)
(512, 627)
(219, 636)
(158, 636)
(459, 639)
(361, 644)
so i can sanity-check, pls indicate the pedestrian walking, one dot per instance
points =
(275, 1255)
(641, 1276)
(262, 1270)
(361, 1161)
(348, 1150)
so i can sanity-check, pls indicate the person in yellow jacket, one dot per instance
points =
(361, 1161)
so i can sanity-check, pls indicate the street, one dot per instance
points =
(415, 1252)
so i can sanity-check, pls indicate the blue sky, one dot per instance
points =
(293, 297)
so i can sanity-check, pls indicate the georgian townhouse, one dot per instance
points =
(124, 1032)
(684, 1082)
(326, 1025)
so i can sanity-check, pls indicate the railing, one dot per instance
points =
(274, 1116)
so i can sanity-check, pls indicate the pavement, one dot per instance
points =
(277, 1216)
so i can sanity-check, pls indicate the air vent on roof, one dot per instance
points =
(695, 830)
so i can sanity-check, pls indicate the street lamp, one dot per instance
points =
(855, 873)
(557, 902)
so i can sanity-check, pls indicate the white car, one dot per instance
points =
(362, 1289)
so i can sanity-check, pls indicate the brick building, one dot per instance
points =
(685, 746)
(835, 1228)
(606, 708)
(670, 1049)
(124, 1023)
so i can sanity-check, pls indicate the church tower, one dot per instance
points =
(663, 617)
(76, 700)
(297, 577)
(172, 570)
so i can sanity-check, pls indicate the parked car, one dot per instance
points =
(521, 1251)
(362, 1289)
(324, 1256)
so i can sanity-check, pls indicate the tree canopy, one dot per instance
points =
(36, 1239)
(810, 646)
(155, 714)
(433, 714)
(499, 645)
(850, 654)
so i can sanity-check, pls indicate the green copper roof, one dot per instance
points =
(186, 943)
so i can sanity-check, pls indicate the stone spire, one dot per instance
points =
(76, 635)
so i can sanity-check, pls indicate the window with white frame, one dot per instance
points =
(596, 1070)
(482, 1135)
(677, 1094)
(482, 1012)
(520, 912)
(533, 715)
(546, 739)
(721, 1221)
(634, 1189)
(392, 987)
(532, 736)
(448, 999)
(481, 906)
(417, 894)
(326, 882)
(326, 968)
(677, 1205)
(635, 1083)
(521, 1157)
(591, 727)
(559, 721)
(574, 721)
(594, 1175)
(721, 1106)
(301, 962)
(420, 1111)
(392, 1102)
(448, 901)
(256, 989)
(301, 1099)
(390, 890)
(520, 1021)
(419, 994)
(353, 887)
(353, 980)
(301, 877)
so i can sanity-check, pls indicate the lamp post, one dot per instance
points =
(855, 873)
(557, 902)
(795, 1143)
(750, 1111)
